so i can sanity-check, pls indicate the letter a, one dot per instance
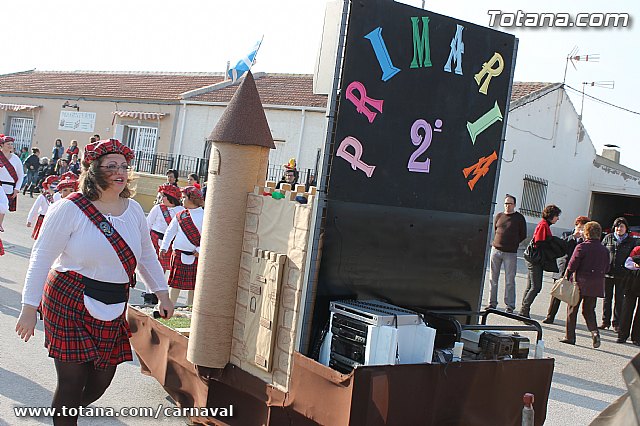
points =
(457, 49)
(382, 54)
(361, 102)
(354, 159)
(421, 48)
(487, 68)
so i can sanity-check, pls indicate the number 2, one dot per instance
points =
(422, 143)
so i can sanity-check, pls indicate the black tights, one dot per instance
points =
(78, 385)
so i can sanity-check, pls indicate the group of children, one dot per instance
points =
(175, 224)
(175, 229)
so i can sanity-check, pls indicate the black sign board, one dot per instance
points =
(417, 146)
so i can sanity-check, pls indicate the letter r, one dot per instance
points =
(361, 102)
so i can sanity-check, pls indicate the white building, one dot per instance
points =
(548, 158)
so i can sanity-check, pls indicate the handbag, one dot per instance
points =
(566, 291)
(532, 254)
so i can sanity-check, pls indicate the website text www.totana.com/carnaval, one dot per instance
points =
(154, 412)
(520, 19)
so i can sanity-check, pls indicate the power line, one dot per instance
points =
(602, 101)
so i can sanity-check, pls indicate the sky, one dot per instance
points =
(201, 36)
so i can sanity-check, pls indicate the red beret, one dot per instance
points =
(49, 180)
(4, 139)
(111, 146)
(69, 175)
(68, 183)
(192, 192)
(170, 190)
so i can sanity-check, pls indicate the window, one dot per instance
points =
(534, 196)
(142, 139)
(21, 129)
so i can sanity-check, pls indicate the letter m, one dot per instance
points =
(421, 49)
(457, 49)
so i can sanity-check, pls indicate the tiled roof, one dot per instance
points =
(522, 89)
(275, 89)
(118, 85)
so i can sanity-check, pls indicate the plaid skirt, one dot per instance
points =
(71, 334)
(13, 203)
(165, 261)
(182, 277)
(1, 248)
(37, 226)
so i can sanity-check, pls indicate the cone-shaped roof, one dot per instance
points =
(243, 121)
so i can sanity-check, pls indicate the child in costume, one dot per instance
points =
(41, 206)
(160, 217)
(68, 184)
(185, 228)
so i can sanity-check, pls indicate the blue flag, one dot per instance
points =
(245, 63)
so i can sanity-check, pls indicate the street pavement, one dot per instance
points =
(585, 380)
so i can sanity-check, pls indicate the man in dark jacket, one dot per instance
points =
(31, 164)
(619, 243)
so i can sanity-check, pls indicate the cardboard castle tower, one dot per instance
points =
(239, 157)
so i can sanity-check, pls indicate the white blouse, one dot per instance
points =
(6, 177)
(156, 221)
(39, 207)
(181, 241)
(69, 241)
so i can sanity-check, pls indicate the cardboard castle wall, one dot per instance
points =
(282, 227)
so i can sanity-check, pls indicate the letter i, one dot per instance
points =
(382, 54)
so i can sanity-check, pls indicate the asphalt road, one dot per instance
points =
(585, 380)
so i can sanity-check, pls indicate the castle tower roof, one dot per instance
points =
(243, 121)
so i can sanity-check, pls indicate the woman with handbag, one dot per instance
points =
(572, 241)
(535, 264)
(588, 265)
(631, 295)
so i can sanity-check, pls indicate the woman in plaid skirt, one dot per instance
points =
(160, 217)
(41, 206)
(80, 271)
(185, 228)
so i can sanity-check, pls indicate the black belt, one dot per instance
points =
(8, 183)
(105, 292)
(159, 234)
(190, 253)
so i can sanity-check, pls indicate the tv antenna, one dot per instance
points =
(573, 57)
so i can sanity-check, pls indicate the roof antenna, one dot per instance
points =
(573, 57)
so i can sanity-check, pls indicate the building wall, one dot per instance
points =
(286, 126)
(549, 151)
(46, 120)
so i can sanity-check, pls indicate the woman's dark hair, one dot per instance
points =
(174, 172)
(592, 230)
(93, 180)
(194, 177)
(35, 150)
(172, 200)
(620, 220)
(551, 211)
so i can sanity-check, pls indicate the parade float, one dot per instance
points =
(399, 224)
